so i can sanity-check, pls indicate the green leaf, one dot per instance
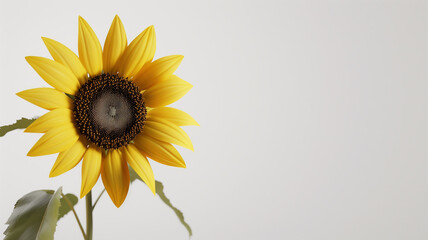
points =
(65, 207)
(35, 216)
(159, 191)
(161, 194)
(20, 124)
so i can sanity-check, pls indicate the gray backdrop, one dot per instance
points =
(313, 117)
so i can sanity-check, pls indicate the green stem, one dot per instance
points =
(89, 208)
(75, 215)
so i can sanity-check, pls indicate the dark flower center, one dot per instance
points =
(109, 111)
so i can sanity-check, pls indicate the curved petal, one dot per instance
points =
(161, 152)
(115, 176)
(91, 169)
(114, 45)
(53, 119)
(64, 55)
(69, 158)
(140, 51)
(157, 71)
(90, 52)
(141, 166)
(172, 115)
(47, 98)
(166, 92)
(55, 140)
(166, 132)
(55, 74)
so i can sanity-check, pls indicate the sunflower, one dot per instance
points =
(108, 107)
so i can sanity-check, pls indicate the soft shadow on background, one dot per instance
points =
(313, 117)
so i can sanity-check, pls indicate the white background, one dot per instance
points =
(313, 114)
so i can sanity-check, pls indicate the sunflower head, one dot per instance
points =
(108, 108)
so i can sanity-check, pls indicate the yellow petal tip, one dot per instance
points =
(82, 20)
(151, 29)
(31, 153)
(82, 193)
(118, 204)
(182, 164)
(190, 147)
(152, 186)
(47, 41)
(52, 174)
(29, 58)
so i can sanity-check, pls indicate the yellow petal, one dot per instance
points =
(166, 132)
(69, 158)
(157, 71)
(91, 169)
(161, 152)
(64, 55)
(140, 51)
(141, 166)
(47, 98)
(115, 176)
(114, 45)
(55, 74)
(90, 52)
(55, 140)
(172, 115)
(166, 92)
(53, 119)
